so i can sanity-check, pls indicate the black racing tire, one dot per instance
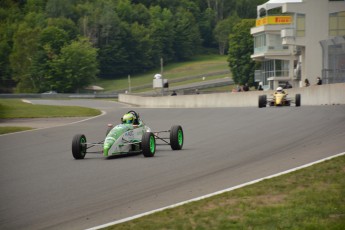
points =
(79, 146)
(148, 144)
(298, 100)
(262, 101)
(176, 137)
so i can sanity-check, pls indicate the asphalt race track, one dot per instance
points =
(43, 187)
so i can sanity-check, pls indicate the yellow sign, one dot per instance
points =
(274, 20)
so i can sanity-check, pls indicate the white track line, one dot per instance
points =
(212, 194)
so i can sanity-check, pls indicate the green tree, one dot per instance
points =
(162, 35)
(247, 8)
(36, 6)
(240, 49)
(75, 67)
(206, 23)
(25, 47)
(60, 8)
(113, 56)
(132, 13)
(9, 15)
(168, 4)
(130, 35)
(101, 24)
(113, 59)
(54, 37)
(139, 48)
(5, 70)
(65, 24)
(51, 41)
(222, 32)
(187, 38)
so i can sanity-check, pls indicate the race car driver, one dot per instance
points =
(130, 118)
(280, 90)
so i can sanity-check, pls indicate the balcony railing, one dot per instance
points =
(276, 48)
(287, 32)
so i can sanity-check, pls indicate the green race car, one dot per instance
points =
(131, 136)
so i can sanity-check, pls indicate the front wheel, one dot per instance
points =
(176, 137)
(79, 146)
(148, 144)
(262, 101)
(298, 100)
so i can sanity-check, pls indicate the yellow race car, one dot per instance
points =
(279, 98)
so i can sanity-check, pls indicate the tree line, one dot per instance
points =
(64, 45)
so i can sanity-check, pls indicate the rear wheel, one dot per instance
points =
(176, 137)
(148, 144)
(298, 100)
(79, 146)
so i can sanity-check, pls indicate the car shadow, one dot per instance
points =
(122, 155)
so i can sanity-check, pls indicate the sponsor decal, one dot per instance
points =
(129, 133)
(274, 20)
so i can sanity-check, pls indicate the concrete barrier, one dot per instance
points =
(329, 94)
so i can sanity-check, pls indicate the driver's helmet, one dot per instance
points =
(279, 89)
(128, 118)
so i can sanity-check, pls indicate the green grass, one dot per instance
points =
(215, 89)
(15, 108)
(200, 79)
(311, 198)
(13, 129)
(227, 88)
(199, 65)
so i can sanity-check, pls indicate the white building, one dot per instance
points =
(300, 39)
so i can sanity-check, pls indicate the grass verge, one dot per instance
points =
(13, 129)
(310, 198)
(15, 108)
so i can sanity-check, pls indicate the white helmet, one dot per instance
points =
(158, 76)
(279, 89)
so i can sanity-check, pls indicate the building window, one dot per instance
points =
(274, 68)
(281, 68)
(274, 41)
(300, 25)
(337, 24)
(260, 41)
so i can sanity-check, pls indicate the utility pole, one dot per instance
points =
(162, 76)
(162, 66)
(129, 83)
